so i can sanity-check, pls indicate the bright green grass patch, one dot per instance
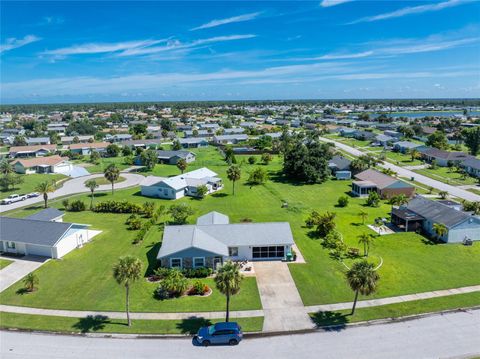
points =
(402, 159)
(397, 310)
(4, 263)
(106, 325)
(474, 190)
(31, 182)
(105, 161)
(443, 174)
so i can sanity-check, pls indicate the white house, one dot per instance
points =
(182, 185)
(42, 234)
(214, 240)
(50, 164)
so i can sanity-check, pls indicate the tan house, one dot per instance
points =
(49, 164)
(386, 186)
(31, 151)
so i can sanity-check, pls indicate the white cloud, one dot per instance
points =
(174, 45)
(427, 45)
(14, 43)
(345, 56)
(230, 20)
(98, 48)
(329, 3)
(410, 10)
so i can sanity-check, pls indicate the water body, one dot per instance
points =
(427, 113)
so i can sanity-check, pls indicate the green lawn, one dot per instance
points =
(102, 180)
(104, 162)
(411, 263)
(443, 174)
(30, 182)
(4, 263)
(402, 159)
(107, 325)
(397, 310)
(349, 141)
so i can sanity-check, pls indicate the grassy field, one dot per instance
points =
(349, 141)
(104, 162)
(411, 263)
(397, 310)
(30, 182)
(107, 325)
(443, 174)
(401, 159)
(102, 180)
(4, 263)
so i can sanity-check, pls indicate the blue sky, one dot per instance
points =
(154, 51)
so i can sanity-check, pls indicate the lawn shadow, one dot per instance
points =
(313, 234)
(152, 259)
(330, 321)
(356, 224)
(31, 208)
(192, 324)
(99, 194)
(219, 195)
(22, 291)
(93, 323)
(278, 176)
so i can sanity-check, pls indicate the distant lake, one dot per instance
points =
(427, 113)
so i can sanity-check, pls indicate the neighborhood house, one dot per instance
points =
(387, 187)
(50, 164)
(182, 185)
(214, 240)
(172, 157)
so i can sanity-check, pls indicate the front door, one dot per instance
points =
(217, 262)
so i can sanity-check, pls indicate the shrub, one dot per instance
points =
(161, 273)
(65, 203)
(312, 219)
(77, 206)
(266, 158)
(148, 209)
(174, 284)
(198, 288)
(246, 220)
(202, 191)
(197, 272)
(252, 160)
(343, 201)
(135, 223)
(180, 213)
(331, 239)
(373, 199)
(257, 176)
(117, 207)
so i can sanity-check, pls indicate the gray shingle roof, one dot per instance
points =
(46, 214)
(339, 162)
(213, 218)
(169, 154)
(436, 211)
(217, 238)
(31, 231)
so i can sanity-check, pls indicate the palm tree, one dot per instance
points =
(126, 271)
(443, 194)
(440, 229)
(363, 215)
(91, 184)
(398, 200)
(227, 280)
(30, 281)
(234, 173)
(366, 240)
(112, 173)
(44, 189)
(5, 167)
(414, 154)
(182, 165)
(362, 278)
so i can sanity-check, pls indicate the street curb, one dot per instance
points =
(252, 335)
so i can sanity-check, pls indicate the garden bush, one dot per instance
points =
(173, 285)
(198, 288)
(76, 206)
(343, 201)
(197, 272)
(117, 207)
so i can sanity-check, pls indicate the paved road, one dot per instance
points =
(403, 172)
(453, 335)
(77, 185)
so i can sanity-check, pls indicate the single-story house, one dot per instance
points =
(38, 141)
(384, 140)
(31, 151)
(209, 126)
(232, 131)
(347, 132)
(405, 146)
(182, 185)
(42, 234)
(68, 140)
(386, 186)
(214, 240)
(120, 137)
(193, 142)
(422, 213)
(339, 163)
(143, 143)
(85, 148)
(364, 135)
(472, 166)
(391, 133)
(172, 157)
(49, 164)
(442, 157)
(230, 139)
(199, 133)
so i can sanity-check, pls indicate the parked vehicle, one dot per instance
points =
(14, 198)
(33, 194)
(220, 333)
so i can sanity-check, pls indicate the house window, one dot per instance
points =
(176, 262)
(198, 262)
(11, 245)
(233, 251)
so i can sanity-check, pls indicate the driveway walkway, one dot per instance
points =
(282, 306)
(77, 185)
(403, 172)
(19, 269)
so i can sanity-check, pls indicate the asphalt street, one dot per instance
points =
(452, 335)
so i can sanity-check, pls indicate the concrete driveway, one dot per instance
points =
(282, 306)
(77, 185)
(19, 269)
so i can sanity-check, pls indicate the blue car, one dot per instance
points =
(220, 333)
